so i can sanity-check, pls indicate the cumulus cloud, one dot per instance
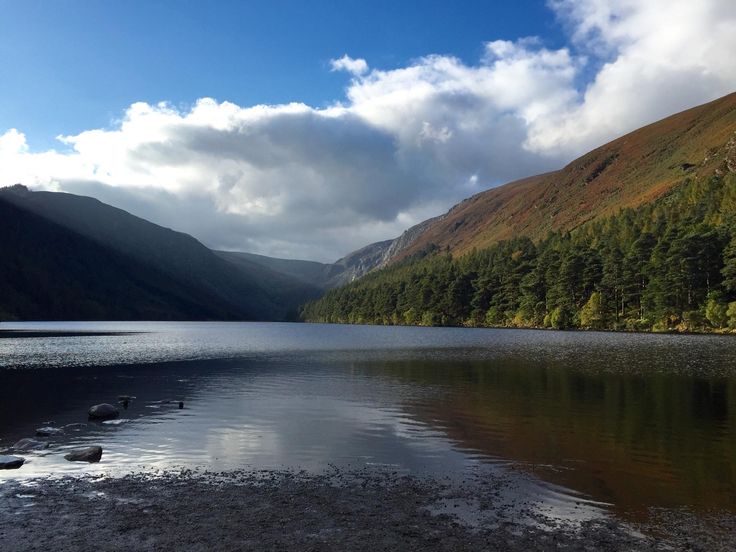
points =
(660, 56)
(404, 144)
(346, 63)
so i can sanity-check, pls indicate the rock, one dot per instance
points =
(181, 405)
(30, 444)
(87, 454)
(103, 412)
(48, 431)
(11, 462)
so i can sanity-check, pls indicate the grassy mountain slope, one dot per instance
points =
(633, 170)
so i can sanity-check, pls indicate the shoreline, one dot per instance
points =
(26, 334)
(362, 510)
(719, 332)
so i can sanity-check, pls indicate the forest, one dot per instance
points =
(669, 265)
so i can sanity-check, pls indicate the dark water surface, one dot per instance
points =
(632, 421)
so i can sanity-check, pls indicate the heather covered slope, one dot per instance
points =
(628, 172)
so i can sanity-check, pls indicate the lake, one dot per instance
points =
(623, 422)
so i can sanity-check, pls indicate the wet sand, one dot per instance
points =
(367, 510)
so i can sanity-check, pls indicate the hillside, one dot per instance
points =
(49, 272)
(246, 291)
(628, 172)
(664, 266)
(638, 234)
(633, 170)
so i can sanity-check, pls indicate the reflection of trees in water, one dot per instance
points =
(634, 440)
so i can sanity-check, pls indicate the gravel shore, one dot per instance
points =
(365, 510)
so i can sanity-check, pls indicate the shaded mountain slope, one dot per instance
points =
(312, 273)
(49, 272)
(249, 292)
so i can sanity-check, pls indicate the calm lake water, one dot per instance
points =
(632, 421)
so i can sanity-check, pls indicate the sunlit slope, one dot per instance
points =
(630, 171)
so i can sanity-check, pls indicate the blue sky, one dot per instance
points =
(68, 65)
(310, 129)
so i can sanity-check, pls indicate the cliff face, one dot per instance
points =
(376, 255)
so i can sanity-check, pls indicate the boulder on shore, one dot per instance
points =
(11, 462)
(86, 454)
(48, 431)
(30, 444)
(103, 412)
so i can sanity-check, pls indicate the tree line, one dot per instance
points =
(666, 266)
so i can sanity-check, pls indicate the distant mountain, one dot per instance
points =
(373, 256)
(325, 275)
(163, 273)
(320, 275)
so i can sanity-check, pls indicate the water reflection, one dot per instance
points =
(631, 440)
(635, 421)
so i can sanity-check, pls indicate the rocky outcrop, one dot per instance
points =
(377, 255)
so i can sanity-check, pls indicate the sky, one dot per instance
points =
(309, 129)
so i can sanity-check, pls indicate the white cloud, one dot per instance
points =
(353, 66)
(661, 56)
(405, 144)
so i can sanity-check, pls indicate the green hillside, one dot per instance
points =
(668, 265)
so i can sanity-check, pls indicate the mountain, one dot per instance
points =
(49, 272)
(319, 275)
(326, 275)
(637, 234)
(630, 171)
(164, 274)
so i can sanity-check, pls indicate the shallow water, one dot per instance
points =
(634, 421)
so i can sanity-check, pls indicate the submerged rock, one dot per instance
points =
(87, 454)
(75, 426)
(103, 412)
(30, 444)
(11, 462)
(48, 431)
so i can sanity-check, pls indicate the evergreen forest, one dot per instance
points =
(669, 265)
